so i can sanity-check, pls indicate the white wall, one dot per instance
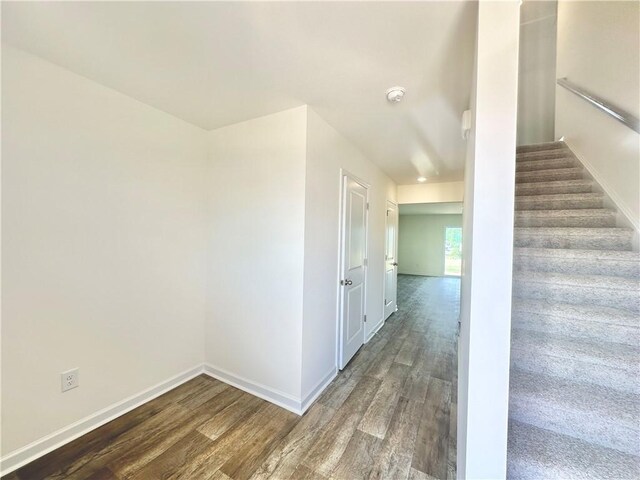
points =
(483, 369)
(431, 192)
(598, 50)
(421, 243)
(256, 198)
(537, 72)
(327, 153)
(271, 322)
(103, 247)
(138, 247)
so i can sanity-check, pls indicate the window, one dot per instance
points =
(453, 251)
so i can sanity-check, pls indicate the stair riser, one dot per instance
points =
(542, 188)
(577, 327)
(575, 241)
(577, 266)
(532, 204)
(541, 147)
(549, 175)
(533, 165)
(539, 362)
(583, 425)
(543, 155)
(596, 221)
(578, 295)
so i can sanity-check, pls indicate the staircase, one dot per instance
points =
(574, 407)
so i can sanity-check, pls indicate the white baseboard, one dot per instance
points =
(375, 330)
(44, 445)
(57, 439)
(284, 400)
(318, 389)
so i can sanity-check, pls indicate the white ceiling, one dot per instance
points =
(430, 208)
(218, 63)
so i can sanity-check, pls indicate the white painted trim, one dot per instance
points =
(395, 254)
(282, 399)
(608, 190)
(375, 330)
(318, 389)
(339, 269)
(57, 439)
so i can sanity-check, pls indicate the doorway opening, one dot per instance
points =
(452, 251)
(430, 239)
(429, 267)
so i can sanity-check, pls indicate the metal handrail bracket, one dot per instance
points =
(619, 114)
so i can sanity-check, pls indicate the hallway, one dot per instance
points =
(390, 414)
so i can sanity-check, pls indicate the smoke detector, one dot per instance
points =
(395, 94)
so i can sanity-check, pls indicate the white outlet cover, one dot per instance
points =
(70, 379)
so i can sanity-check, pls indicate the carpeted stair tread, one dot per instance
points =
(596, 352)
(582, 262)
(546, 164)
(553, 174)
(592, 323)
(593, 413)
(587, 217)
(566, 312)
(616, 238)
(621, 292)
(536, 453)
(599, 281)
(596, 361)
(543, 155)
(580, 185)
(560, 201)
(536, 147)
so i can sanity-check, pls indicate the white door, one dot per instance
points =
(353, 269)
(391, 260)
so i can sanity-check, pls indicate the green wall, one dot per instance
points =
(421, 243)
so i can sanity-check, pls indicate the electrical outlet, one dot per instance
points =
(70, 379)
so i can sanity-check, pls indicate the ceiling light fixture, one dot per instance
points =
(422, 179)
(395, 94)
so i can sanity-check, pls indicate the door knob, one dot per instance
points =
(394, 264)
(347, 282)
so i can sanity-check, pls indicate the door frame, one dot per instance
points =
(395, 254)
(341, 255)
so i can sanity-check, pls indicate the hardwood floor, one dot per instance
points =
(389, 415)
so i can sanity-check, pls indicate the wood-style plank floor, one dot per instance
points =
(391, 414)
